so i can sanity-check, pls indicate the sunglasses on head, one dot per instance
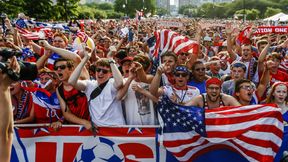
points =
(62, 67)
(104, 71)
(181, 74)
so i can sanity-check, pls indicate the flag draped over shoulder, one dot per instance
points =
(167, 40)
(254, 131)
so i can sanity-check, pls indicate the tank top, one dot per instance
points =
(205, 103)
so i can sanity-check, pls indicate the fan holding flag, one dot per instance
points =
(253, 131)
(213, 98)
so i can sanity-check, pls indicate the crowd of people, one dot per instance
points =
(111, 81)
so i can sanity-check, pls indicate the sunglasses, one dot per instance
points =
(104, 71)
(200, 69)
(184, 54)
(248, 88)
(180, 74)
(62, 67)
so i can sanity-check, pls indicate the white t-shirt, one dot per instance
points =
(182, 95)
(139, 109)
(105, 109)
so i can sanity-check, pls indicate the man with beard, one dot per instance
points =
(213, 98)
(179, 92)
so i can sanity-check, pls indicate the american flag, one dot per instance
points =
(21, 26)
(83, 36)
(254, 131)
(20, 23)
(167, 40)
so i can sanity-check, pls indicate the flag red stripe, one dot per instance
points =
(254, 154)
(240, 119)
(243, 111)
(177, 143)
(258, 142)
(186, 150)
(258, 128)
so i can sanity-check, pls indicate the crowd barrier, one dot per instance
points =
(73, 143)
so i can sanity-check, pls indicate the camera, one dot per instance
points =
(28, 71)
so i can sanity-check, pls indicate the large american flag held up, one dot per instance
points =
(254, 131)
(167, 40)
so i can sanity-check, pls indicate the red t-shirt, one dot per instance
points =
(78, 105)
(280, 76)
(46, 107)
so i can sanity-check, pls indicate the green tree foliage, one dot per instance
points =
(161, 11)
(67, 8)
(12, 8)
(114, 15)
(105, 6)
(99, 14)
(185, 8)
(85, 12)
(272, 11)
(98, 10)
(255, 9)
(252, 14)
(133, 5)
(39, 9)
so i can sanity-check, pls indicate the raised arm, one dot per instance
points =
(116, 74)
(123, 91)
(155, 84)
(74, 78)
(229, 31)
(68, 55)
(265, 79)
(62, 52)
(42, 60)
(263, 55)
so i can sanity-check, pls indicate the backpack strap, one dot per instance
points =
(61, 93)
(96, 92)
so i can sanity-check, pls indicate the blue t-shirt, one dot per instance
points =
(200, 85)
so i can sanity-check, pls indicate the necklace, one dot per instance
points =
(180, 99)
